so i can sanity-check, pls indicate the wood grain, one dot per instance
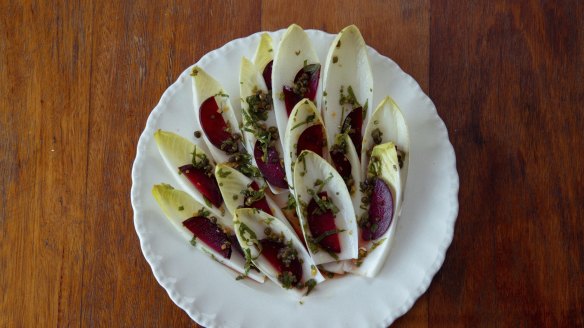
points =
(508, 81)
(79, 78)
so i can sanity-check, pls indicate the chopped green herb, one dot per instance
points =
(310, 284)
(203, 212)
(377, 136)
(251, 195)
(287, 279)
(309, 119)
(349, 98)
(222, 173)
(181, 208)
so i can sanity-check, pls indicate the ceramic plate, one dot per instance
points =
(209, 292)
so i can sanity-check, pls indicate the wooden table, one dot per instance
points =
(78, 80)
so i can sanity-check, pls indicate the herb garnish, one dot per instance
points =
(259, 104)
(349, 98)
(309, 119)
(300, 87)
(222, 173)
(201, 162)
(242, 162)
(250, 195)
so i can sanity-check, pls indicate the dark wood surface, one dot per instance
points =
(78, 80)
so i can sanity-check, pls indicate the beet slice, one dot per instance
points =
(267, 74)
(321, 223)
(270, 250)
(290, 99)
(342, 164)
(213, 123)
(260, 204)
(380, 211)
(355, 118)
(272, 169)
(313, 71)
(311, 139)
(209, 233)
(207, 185)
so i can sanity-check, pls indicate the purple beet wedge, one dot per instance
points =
(309, 76)
(212, 123)
(321, 223)
(355, 121)
(267, 74)
(260, 204)
(272, 168)
(290, 99)
(270, 250)
(381, 210)
(311, 139)
(313, 72)
(210, 234)
(207, 185)
(342, 164)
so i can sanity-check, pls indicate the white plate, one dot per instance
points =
(210, 294)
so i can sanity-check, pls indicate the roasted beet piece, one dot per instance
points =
(207, 185)
(270, 250)
(209, 233)
(267, 74)
(260, 204)
(380, 211)
(212, 123)
(272, 168)
(323, 222)
(312, 72)
(311, 139)
(290, 99)
(305, 86)
(342, 164)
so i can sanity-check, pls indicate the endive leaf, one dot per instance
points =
(303, 116)
(176, 152)
(294, 52)
(264, 53)
(315, 180)
(256, 126)
(347, 81)
(204, 88)
(251, 226)
(233, 185)
(385, 167)
(178, 207)
(387, 124)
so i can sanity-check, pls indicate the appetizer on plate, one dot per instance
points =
(325, 209)
(387, 124)
(381, 206)
(305, 131)
(240, 191)
(216, 117)
(259, 121)
(212, 235)
(295, 74)
(275, 250)
(347, 86)
(193, 168)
